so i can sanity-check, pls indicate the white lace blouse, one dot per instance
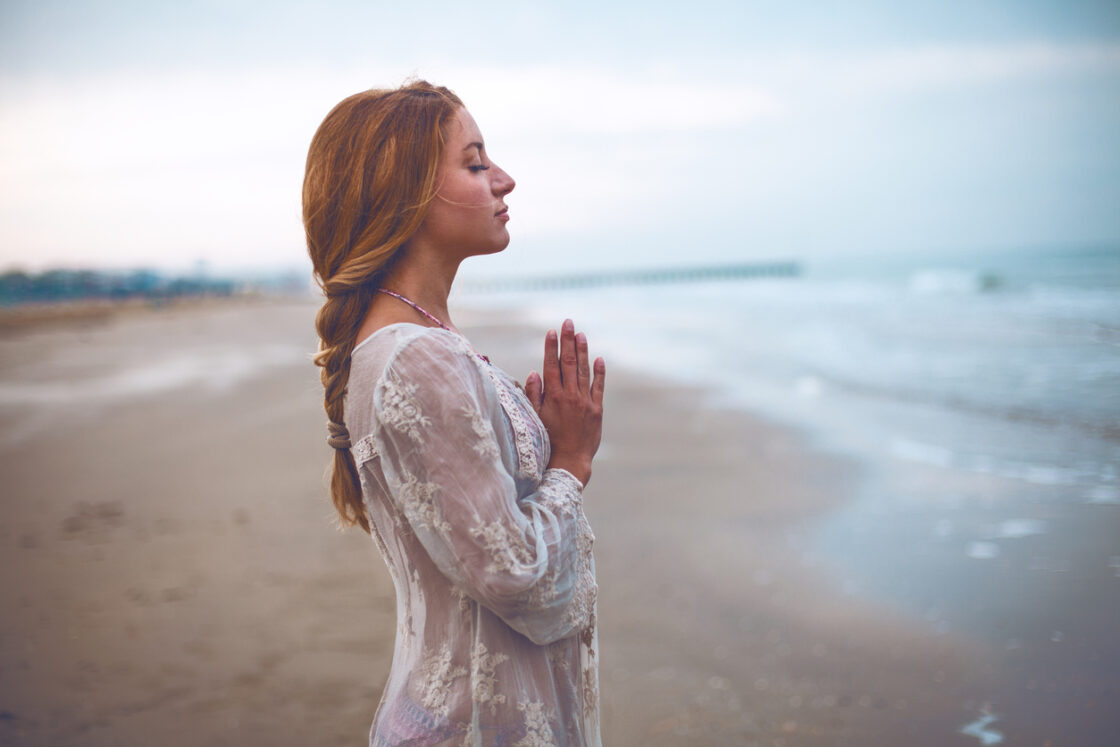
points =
(489, 551)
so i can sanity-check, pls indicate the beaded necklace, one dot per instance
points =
(431, 317)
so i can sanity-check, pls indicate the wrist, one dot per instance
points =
(577, 468)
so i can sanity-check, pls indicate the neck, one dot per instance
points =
(424, 280)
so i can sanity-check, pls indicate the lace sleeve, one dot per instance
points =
(527, 559)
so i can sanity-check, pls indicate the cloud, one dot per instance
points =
(170, 166)
(579, 100)
(938, 66)
(174, 166)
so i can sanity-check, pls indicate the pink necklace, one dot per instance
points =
(431, 317)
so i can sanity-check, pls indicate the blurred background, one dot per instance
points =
(857, 265)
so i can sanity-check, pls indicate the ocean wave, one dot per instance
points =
(1035, 472)
(1103, 425)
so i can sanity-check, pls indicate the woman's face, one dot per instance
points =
(468, 215)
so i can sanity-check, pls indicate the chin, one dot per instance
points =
(497, 248)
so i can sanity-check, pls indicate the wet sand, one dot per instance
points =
(172, 575)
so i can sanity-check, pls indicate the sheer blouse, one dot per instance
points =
(489, 551)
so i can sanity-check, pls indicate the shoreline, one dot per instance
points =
(32, 316)
(178, 580)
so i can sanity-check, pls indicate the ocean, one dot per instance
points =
(928, 361)
(980, 395)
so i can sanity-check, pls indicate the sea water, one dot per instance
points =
(980, 392)
(925, 359)
(980, 396)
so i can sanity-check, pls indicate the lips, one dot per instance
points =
(503, 211)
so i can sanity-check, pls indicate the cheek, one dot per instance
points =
(453, 219)
(466, 192)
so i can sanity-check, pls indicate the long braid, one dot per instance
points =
(338, 322)
(371, 173)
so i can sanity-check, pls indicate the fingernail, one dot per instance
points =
(569, 325)
(581, 338)
(551, 335)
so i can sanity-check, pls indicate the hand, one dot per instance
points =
(568, 402)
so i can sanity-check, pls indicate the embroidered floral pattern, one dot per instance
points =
(590, 687)
(486, 446)
(558, 655)
(483, 678)
(544, 591)
(528, 461)
(555, 495)
(418, 504)
(364, 450)
(581, 610)
(504, 552)
(438, 672)
(537, 731)
(399, 408)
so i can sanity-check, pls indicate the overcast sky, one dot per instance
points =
(161, 134)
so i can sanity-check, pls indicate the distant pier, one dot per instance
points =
(704, 273)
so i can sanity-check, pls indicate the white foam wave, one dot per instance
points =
(983, 550)
(981, 729)
(914, 451)
(1103, 494)
(1017, 528)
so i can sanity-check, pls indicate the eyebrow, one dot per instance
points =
(474, 145)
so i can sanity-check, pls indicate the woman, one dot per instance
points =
(471, 488)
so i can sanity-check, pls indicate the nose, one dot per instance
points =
(502, 183)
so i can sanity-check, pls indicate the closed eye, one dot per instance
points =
(478, 167)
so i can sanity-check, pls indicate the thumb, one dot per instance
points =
(534, 390)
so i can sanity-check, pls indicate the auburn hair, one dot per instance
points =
(371, 175)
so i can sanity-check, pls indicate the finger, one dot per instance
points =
(551, 369)
(600, 381)
(568, 354)
(583, 366)
(534, 390)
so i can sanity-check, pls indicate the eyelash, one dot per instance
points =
(478, 168)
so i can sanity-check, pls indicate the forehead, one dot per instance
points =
(462, 131)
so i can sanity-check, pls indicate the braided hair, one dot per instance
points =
(371, 174)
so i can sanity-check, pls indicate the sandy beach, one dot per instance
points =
(172, 574)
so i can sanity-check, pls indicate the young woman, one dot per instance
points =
(470, 487)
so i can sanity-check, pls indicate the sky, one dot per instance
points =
(173, 135)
